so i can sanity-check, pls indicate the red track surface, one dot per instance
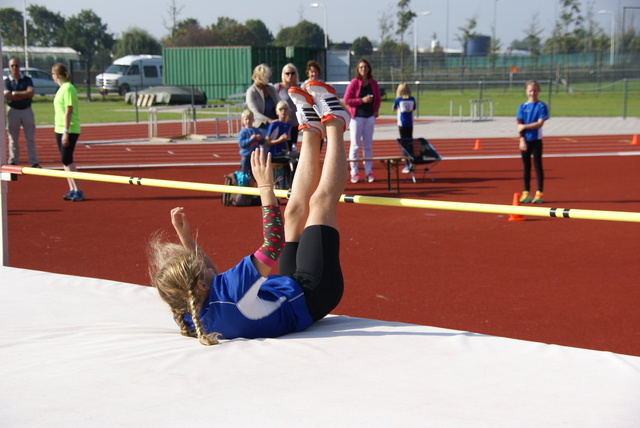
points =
(569, 282)
(93, 148)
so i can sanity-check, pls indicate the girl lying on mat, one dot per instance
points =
(245, 301)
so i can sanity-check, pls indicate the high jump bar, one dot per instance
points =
(7, 170)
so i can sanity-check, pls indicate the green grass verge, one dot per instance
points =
(586, 101)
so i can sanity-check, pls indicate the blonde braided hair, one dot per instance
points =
(175, 271)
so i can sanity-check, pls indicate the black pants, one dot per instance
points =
(66, 153)
(533, 148)
(314, 263)
(406, 131)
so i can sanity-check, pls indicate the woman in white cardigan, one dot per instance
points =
(262, 98)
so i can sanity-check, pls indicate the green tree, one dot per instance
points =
(467, 33)
(494, 48)
(566, 33)
(239, 35)
(11, 27)
(405, 18)
(532, 41)
(223, 23)
(46, 26)
(174, 11)
(304, 34)
(194, 35)
(86, 33)
(362, 47)
(261, 31)
(385, 22)
(136, 41)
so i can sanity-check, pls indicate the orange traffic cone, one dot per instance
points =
(634, 140)
(516, 203)
(477, 146)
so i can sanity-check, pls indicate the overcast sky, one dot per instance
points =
(346, 19)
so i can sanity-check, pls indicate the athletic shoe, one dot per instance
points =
(79, 196)
(327, 103)
(406, 170)
(538, 199)
(35, 165)
(70, 195)
(308, 119)
(525, 198)
(370, 178)
(355, 178)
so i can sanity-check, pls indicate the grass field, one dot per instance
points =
(585, 101)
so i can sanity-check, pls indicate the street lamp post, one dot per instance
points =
(26, 44)
(613, 40)
(415, 38)
(326, 40)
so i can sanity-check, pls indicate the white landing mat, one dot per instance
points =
(83, 352)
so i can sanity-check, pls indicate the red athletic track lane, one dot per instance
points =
(115, 145)
(568, 282)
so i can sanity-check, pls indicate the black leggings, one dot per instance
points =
(533, 148)
(314, 263)
(66, 153)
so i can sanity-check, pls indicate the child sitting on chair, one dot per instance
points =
(276, 143)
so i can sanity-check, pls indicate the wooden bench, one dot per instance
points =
(390, 162)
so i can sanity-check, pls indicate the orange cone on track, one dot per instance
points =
(477, 146)
(516, 203)
(634, 140)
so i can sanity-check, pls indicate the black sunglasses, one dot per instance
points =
(289, 73)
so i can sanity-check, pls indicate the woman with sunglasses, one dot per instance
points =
(289, 79)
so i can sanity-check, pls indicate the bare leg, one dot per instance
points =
(324, 201)
(73, 183)
(304, 184)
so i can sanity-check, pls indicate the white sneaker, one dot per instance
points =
(327, 103)
(370, 178)
(308, 119)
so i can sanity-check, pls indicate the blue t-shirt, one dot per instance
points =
(530, 113)
(242, 303)
(276, 129)
(405, 108)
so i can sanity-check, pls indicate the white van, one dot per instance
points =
(131, 72)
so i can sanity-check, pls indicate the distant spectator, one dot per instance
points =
(249, 139)
(67, 126)
(405, 105)
(289, 79)
(313, 72)
(262, 98)
(276, 143)
(362, 97)
(18, 92)
(530, 118)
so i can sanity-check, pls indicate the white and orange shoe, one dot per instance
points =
(327, 104)
(308, 118)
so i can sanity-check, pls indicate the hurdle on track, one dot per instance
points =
(7, 170)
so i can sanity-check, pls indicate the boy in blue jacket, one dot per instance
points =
(249, 139)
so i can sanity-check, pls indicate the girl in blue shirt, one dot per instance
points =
(246, 301)
(531, 116)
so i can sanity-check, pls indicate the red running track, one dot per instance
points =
(127, 145)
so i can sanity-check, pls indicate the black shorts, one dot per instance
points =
(314, 263)
(66, 153)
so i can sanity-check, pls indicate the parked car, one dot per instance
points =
(42, 81)
(131, 72)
